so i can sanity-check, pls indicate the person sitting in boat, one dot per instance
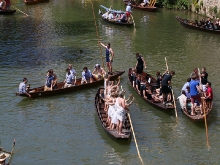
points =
(202, 22)
(54, 79)
(183, 100)
(208, 24)
(105, 15)
(2, 4)
(86, 76)
(204, 79)
(132, 76)
(123, 18)
(209, 95)
(138, 83)
(49, 81)
(111, 17)
(186, 84)
(72, 71)
(194, 92)
(145, 3)
(69, 80)
(98, 73)
(22, 87)
(217, 22)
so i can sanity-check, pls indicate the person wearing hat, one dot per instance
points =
(98, 73)
(22, 87)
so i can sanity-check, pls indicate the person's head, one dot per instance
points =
(217, 19)
(183, 92)
(108, 45)
(97, 66)
(208, 84)
(188, 79)
(137, 54)
(195, 70)
(208, 19)
(67, 70)
(203, 69)
(70, 66)
(51, 71)
(172, 73)
(157, 73)
(85, 69)
(121, 94)
(25, 80)
(130, 70)
(193, 76)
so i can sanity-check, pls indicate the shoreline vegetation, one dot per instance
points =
(196, 6)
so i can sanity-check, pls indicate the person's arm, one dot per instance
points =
(145, 66)
(112, 52)
(27, 94)
(136, 65)
(102, 44)
(51, 87)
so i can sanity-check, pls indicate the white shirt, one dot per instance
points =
(128, 8)
(22, 87)
(185, 85)
(182, 99)
(110, 16)
(73, 72)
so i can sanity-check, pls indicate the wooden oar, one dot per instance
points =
(11, 151)
(133, 20)
(132, 128)
(206, 126)
(19, 10)
(174, 101)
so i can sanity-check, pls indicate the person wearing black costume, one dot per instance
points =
(166, 85)
(141, 64)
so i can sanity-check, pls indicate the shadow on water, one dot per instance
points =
(118, 145)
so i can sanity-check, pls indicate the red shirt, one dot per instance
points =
(209, 92)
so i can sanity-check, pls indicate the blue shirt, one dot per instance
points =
(49, 80)
(86, 75)
(22, 88)
(193, 90)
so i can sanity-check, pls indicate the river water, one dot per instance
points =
(64, 129)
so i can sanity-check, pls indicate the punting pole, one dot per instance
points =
(19, 10)
(11, 151)
(206, 126)
(174, 102)
(133, 20)
(132, 128)
(98, 36)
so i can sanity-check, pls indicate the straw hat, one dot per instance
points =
(3, 156)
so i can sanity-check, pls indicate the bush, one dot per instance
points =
(211, 9)
(197, 7)
(201, 4)
(215, 9)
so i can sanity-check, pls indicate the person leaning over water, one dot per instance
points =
(23, 88)
(109, 56)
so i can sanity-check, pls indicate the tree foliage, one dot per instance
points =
(177, 4)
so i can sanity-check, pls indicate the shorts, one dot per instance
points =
(165, 89)
(128, 14)
(196, 97)
(108, 59)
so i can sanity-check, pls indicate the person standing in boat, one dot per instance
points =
(109, 56)
(98, 73)
(209, 95)
(22, 87)
(128, 11)
(8, 4)
(141, 64)
(49, 81)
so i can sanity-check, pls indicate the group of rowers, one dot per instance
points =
(196, 90)
(208, 24)
(70, 79)
(116, 105)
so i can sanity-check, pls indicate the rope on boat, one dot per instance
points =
(132, 128)
(174, 102)
(98, 36)
(19, 10)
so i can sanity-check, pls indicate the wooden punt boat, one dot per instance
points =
(159, 105)
(102, 115)
(150, 8)
(195, 25)
(4, 155)
(39, 91)
(32, 2)
(7, 12)
(198, 116)
(116, 22)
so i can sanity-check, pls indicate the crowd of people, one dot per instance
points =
(196, 90)
(116, 105)
(70, 79)
(208, 24)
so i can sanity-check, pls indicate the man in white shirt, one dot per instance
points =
(22, 87)
(182, 99)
